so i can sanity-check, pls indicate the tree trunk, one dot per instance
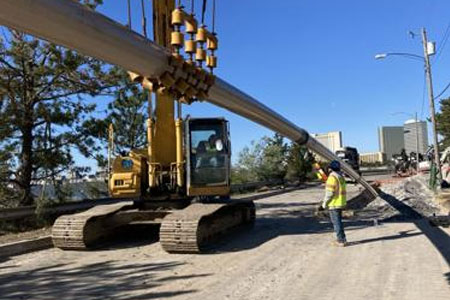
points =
(26, 165)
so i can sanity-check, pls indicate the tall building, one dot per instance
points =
(410, 128)
(391, 140)
(331, 140)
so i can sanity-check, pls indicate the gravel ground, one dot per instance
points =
(406, 199)
(15, 237)
(286, 255)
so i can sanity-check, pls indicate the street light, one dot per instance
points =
(407, 55)
(428, 50)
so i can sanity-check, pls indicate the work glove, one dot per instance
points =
(320, 208)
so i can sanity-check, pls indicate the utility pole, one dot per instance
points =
(129, 14)
(417, 145)
(432, 110)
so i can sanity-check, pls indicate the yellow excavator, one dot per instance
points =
(182, 179)
(173, 169)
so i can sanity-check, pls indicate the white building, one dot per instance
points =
(372, 157)
(331, 140)
(411, 138)
(391, 140)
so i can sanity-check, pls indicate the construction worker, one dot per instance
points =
(335, 200)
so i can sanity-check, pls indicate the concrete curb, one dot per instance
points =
(26, 246)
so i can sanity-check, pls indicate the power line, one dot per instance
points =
(443, 91)
(443, 43)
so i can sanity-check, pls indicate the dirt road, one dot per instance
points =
(287, 255)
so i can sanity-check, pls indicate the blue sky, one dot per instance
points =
(313, 61)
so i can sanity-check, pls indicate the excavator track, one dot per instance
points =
(79, 231)
(191, 229)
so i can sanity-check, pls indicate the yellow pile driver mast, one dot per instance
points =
(184, 159)
(187, 82)
(164, 141)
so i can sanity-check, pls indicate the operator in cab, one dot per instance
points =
(335, 200)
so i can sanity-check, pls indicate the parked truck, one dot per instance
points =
(350, 155)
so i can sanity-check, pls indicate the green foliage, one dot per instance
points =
(300, 162)
(271, 158)
(263, 160)
(245, 169)
(8, 197)
(272, 161)
(42, 107)
(128, 114)
(443, 122)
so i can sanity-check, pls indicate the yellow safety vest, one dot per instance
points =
(336, 184)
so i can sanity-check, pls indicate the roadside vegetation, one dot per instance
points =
(271, 158)
(443, 122)
(47, 113)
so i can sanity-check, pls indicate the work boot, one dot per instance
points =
(340, 244)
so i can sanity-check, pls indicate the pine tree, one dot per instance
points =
(443, 122)
(272, 161)
(42, 108)
(128, 114)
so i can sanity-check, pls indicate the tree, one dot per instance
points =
(7, 195)
(443, 122)
(264, 160)
(245, 169)
(127, 114)
(300, 162)
(272, 162)
(42, 109)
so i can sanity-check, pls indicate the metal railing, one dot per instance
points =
(8, 214)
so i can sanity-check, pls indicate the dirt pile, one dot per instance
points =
(406, 199)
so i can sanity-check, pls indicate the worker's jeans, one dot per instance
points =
(336, 219)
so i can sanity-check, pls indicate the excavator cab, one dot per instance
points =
(208, 155)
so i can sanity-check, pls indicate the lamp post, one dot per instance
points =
(428, 49)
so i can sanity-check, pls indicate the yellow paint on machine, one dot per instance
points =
(128, 182)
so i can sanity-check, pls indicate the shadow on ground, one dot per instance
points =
(276, 192)
(280, 219)
(299, 218)
(103, 280)
(131, 236)
(400, 235)
(439, 238)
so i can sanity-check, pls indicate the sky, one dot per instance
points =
(313, 62)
